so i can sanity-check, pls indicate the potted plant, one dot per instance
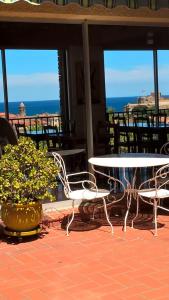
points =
(27, 177)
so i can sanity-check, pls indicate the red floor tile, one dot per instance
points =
(89, 264)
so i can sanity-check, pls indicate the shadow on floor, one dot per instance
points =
(83, 220)
(80, 224)
(143, 222)
(47, 223)
(26, 239)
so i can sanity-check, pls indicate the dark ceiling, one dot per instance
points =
(129, 37)
(59, 36)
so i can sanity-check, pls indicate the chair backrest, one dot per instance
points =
(20, 129)
(141, 121)
(165, 149)
(119, 120)
(122, 128)
(159, 119)
(7, 133)
(160, 179)
(50, 129)
(163, 172)
(62, 172)
(52, 137)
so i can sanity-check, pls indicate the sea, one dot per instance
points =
(53, 106)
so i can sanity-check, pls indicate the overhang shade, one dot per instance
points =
(49, 12)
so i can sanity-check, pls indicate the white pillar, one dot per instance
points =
(87, 89)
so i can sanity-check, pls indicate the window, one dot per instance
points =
(1, 90)
(128, 75)
(163, 72)
(33, 81)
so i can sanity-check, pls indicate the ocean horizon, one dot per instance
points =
(53, 106)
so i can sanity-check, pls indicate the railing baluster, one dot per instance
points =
(36, 123)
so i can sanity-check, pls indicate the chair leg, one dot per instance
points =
(155, 217)
(107, 217)
(93, 215)
(153, 221)
(137, 210)
(71, 220)
(127, 212)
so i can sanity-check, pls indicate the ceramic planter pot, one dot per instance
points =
(21, 217)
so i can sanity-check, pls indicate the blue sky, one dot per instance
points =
(33, 75)
(130, 73)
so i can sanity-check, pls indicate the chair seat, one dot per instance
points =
(86, 194)
(152, 193)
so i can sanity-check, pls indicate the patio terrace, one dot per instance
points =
(89, 264)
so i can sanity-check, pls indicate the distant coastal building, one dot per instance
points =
(148, 102)
(22, 111)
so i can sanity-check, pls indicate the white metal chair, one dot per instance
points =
(52, 137)
(86, 188)
(165, 149)
(153, 191)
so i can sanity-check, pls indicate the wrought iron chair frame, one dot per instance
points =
(152, 191)
(89, 189)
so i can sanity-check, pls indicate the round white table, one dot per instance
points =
(68, 152)
(129, 160)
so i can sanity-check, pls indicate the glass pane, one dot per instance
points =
(163, 77)
(162, 3)
(1, 91)
(120, 2)
(143, 3)
(128, 76)
(92, 2)
(33, 81)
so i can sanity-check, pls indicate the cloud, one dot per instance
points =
(35, 86)
(118, 82)
(163, 73)
(33, 79)
(133, 81)
(139, 73)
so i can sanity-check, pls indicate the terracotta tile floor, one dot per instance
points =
(89, 264)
